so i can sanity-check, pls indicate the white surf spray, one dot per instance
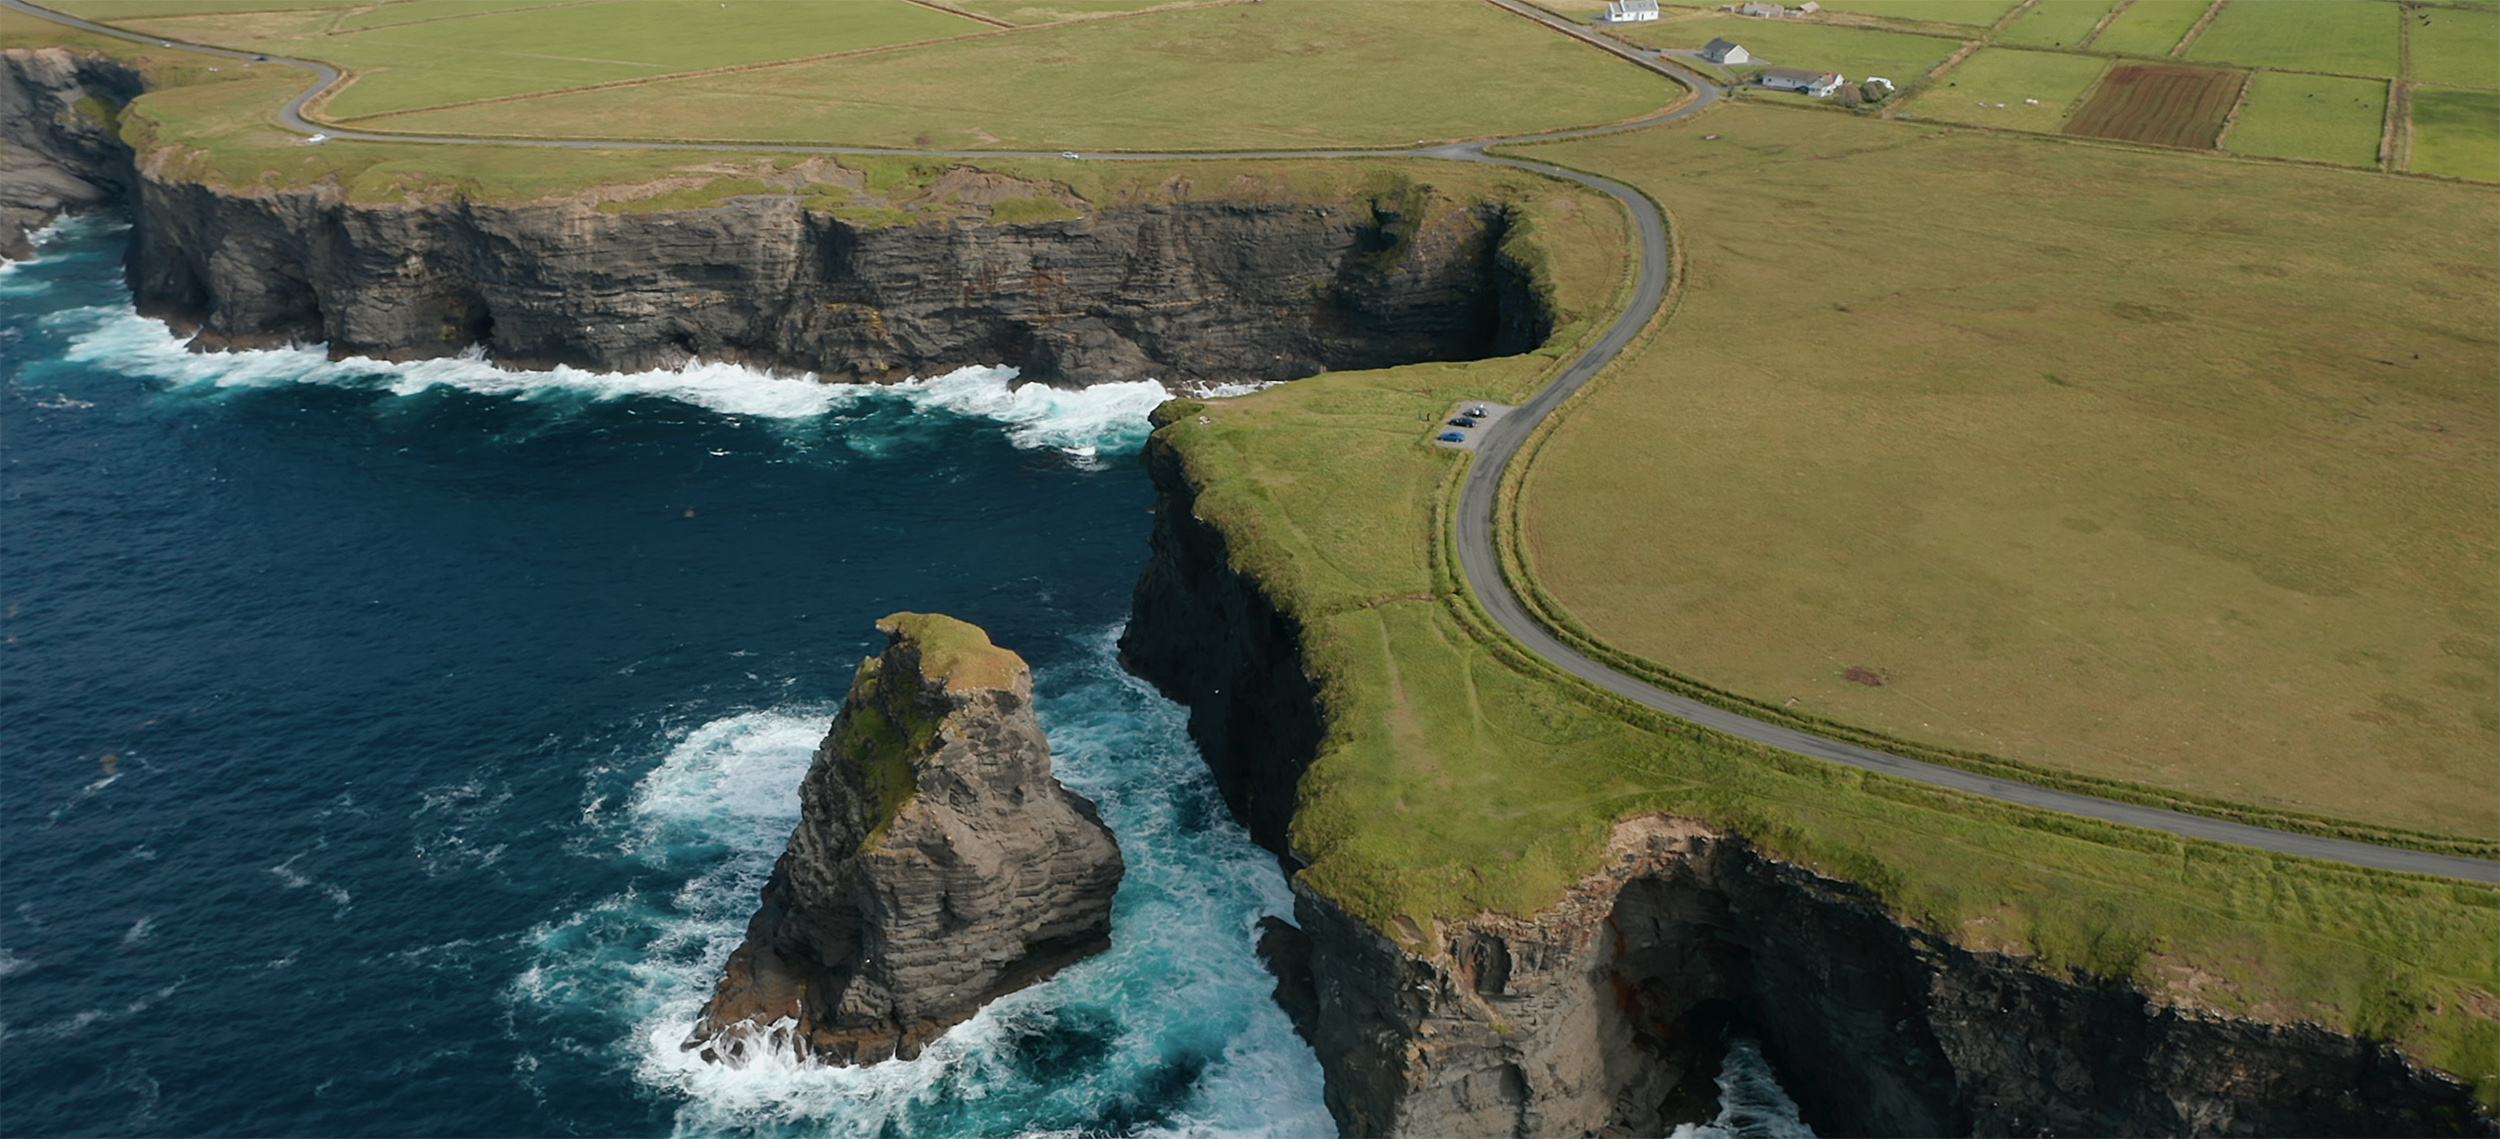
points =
(1082, 422)
(1170, 1032)
(1752, 1105)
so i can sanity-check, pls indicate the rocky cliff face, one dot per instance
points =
(1610, 1012)
(58, 148)
(1209, 638)
(936, 866)
(1180, 291)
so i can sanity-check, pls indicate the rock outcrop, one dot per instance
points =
(1609, 1013)
(60, 149)
(937, 864)
(1181, 291)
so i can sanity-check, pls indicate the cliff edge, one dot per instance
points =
(937, 864)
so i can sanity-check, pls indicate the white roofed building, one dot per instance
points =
(1726, 52)
(1815, 83)
(1631, 11)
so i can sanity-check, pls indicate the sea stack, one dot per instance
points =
(937, 864)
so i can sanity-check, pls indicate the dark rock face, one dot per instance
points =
(1181, 292)
(1209, 638)
(936, 866)
(1610, 1012)
(58, 148)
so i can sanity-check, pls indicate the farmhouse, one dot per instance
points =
(1761, 9)
(1631, 11)
(1723, 51)
(1815, 83)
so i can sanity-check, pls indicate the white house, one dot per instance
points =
(1724, 52)
(1631, 11)
(1815, 83)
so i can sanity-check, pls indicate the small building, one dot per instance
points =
(1877, 83)
(1631, 11)
(1759, 9)
(1728, 53)
(1808, 8)
(1815, 83)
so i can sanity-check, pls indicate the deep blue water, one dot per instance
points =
(397, 749)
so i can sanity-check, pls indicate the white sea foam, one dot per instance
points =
(1752, 1105)
(1082, 421)
(1172, 1030)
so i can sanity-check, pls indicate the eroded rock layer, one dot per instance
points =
(59, 146)
(937, 864)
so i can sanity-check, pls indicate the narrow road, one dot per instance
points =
(1478, 560)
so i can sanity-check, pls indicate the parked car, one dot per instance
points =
(1463, 421)
(1451, 437)
(1478, 411)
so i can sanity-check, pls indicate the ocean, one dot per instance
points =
(397, 749)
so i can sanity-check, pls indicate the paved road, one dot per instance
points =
(1501, 442)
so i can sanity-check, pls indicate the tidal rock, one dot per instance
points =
(937, 864)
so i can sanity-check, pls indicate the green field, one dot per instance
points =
(2099, 469)
(1989, 88)
(2056, 23)
(1978, 13)
(1854, 52)
(2454, 46)
(138, 9)
(2355, 37)
(2330, 118)
(1052, 11)
(2456, 132)
(1284, 73)
(2150, 27)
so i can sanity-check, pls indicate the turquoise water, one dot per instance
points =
(397, 749)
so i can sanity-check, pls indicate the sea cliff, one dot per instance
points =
(1608, 1011)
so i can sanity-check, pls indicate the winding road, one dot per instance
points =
(1478, 496)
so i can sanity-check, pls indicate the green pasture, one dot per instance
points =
(1053, 11)
(2356, 37)
(2457, 132)
(1458, 777)
(413, 11)
(1977, 13)
(2056, 23)
(2148, 468)
(2455, 46)
(1974, 89)
(1854, 52)
(2150, 27)
(537, 49)
(111, 11)
(2326, 117)
(1286, 73)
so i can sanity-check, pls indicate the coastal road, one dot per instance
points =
(1500, 446)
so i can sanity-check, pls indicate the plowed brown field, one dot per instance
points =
(2160, 103)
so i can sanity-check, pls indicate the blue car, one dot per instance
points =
(1452, 437)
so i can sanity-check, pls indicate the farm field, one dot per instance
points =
(2131, 464)
(1282, 73)
(2456, 131)
(2056, 23)
(2325, 117)
(137, 9)
(2150, 27)
(1989, 89)
(1977, 13)
(500, 54)
(2160, 103)
(2456, 47)
(1052, 11)
(2356, 37)
(1854, 52)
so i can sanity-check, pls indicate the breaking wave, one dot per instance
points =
(1082, 421)
(1752, 1105)
(1170, 1032)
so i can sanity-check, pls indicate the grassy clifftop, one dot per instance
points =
(1460, 777)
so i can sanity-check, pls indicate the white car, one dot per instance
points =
(1070, 154)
